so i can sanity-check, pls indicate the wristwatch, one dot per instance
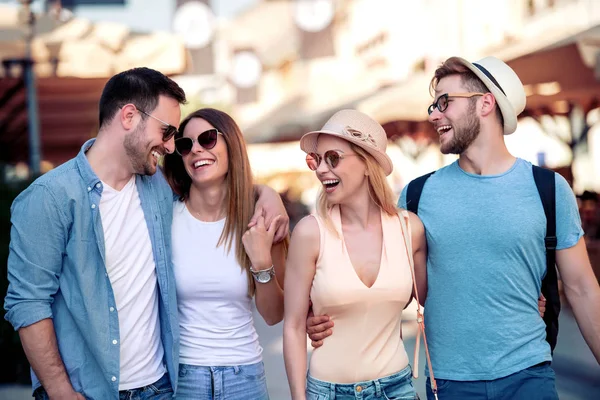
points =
(264, 275)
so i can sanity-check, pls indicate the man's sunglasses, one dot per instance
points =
(442, 102)
(168, 131)
(331, 157)
(207, 139)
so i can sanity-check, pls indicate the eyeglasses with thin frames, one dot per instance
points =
(169, 130)
(442, 102)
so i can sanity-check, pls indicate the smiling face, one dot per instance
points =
(205, 166)
(459, 125)
(144, 145)
(345, 180)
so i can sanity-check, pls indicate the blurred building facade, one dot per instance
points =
(283, 67)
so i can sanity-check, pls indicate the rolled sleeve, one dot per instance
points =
(568, 220)
(37, 243)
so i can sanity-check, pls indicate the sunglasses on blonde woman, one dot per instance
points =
(331, 157)
(207, 139)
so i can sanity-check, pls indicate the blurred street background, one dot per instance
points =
(281, 68)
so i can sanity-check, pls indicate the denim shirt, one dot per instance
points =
(57, 269)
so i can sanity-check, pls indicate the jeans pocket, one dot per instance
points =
(543, 370)
(310, 395)
(162, 386)
(253, 372)
(400, 391)
(441, 383)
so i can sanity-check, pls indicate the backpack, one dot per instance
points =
(544, 182)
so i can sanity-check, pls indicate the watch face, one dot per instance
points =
(263, 277)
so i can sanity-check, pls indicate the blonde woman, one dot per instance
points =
(351, 260)
(219, 263)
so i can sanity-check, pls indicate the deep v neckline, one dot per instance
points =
(338, 223)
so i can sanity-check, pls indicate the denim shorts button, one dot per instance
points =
(114, 378)
(359, 389)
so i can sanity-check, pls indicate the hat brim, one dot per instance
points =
(508, 112)
(308, 144)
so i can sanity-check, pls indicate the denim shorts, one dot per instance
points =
(533, 383)
(393, 387)
(241, 382)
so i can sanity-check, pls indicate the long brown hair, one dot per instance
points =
(454, 66)
(240, 197)
(380, 191)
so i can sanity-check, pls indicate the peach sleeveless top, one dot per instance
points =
(366, 343)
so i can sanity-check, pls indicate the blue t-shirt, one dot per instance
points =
(486, 260)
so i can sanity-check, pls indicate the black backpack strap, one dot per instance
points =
(544, 181)
(413, 192)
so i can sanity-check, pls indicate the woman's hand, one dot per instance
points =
(258, 241)
(269, 205)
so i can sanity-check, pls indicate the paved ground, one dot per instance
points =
(578, 373)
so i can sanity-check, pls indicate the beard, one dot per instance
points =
(465, 133)
(138, 150)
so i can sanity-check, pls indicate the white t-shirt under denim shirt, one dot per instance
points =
(486, 260)
(215, 311)
(132, 273)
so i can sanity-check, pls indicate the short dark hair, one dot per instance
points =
(454, 66)
(140, 86)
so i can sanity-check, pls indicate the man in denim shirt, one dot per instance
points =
(92, 291)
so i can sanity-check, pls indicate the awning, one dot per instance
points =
(405, 101)
(68, 114)
(555, 77)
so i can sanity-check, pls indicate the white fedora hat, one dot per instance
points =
(357, 128)
(504, 84)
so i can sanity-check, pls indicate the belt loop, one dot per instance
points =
(332, 391)
(236, 369)
(377, 387)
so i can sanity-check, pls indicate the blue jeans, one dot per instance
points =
(393, 387)
(241, 382)
(533, 383)
(159, 390)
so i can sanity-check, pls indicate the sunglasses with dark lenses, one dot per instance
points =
(442, 102)
(168, 130)
(207, 139)
(331, 157)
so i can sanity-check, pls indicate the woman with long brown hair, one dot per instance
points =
(219, 263)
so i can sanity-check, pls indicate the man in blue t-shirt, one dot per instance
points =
(485, 228)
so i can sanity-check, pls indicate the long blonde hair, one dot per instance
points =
(380, 191)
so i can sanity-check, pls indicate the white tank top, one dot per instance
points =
(132, 273)
(215, 311)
